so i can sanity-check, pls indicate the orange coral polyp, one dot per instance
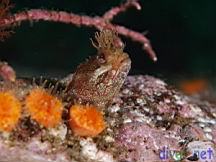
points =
(10, 111)
(44, 108)
(86, 120)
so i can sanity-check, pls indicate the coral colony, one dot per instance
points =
(99, 114)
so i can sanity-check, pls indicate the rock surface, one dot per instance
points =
(164, 125)
(147, 122)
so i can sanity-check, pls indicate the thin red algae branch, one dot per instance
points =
(7, 72)
(135, 36)
(100, 23)
(109, 15)
(4, 33)
(5, 6)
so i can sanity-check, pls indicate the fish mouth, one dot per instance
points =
(125, 63)
(124, 68)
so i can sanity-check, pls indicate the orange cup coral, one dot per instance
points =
(86, 120)
(44, 108)
(10, 111)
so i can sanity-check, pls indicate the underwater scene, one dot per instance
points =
(107, 81)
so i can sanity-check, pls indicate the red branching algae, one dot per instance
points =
(4, 10)
(109, 15)
(100, 23)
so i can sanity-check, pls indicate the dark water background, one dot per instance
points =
(183, 33)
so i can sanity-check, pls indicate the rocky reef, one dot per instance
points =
(148, 121)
